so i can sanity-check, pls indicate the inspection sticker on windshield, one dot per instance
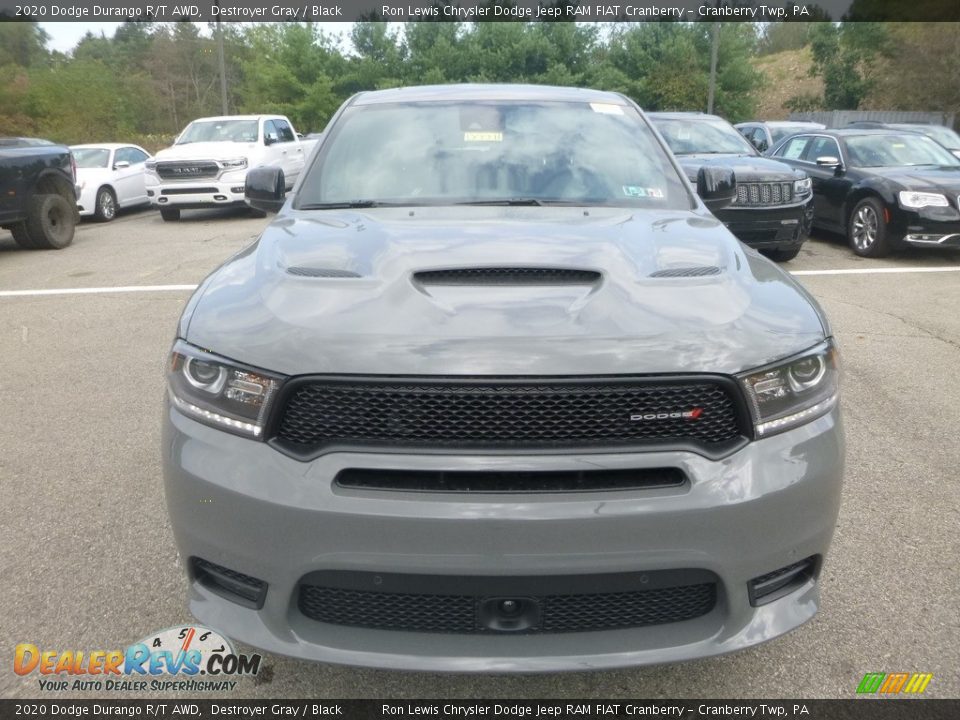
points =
(638, 192)
(607, 108)
(476, 136)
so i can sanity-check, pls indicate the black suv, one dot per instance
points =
(773, 210)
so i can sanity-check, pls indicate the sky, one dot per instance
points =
(64, 36)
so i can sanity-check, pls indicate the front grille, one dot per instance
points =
(188, 191)
(188, 170)
(508, 276)
(508, 414)
(476, 610)
(764, 193)
(510, 481)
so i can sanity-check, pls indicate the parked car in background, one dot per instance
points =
(765, 134)
(773, 208)
(942, 134)
(110, 176)
(881, 188)
(208, 163)
(496, 392)
(38, 197)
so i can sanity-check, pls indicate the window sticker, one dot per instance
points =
(607, 108)
(475, 136)
(794, 150)
(636, 191)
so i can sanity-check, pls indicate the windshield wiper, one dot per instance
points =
(349, 205)
(506, 201)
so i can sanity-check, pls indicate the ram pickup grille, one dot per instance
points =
(192, 170)
(764, 193)
(507, 413)
(560, 605)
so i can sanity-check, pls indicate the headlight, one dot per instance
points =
(218, 392)
(802, 187)
(234, 164)
(917, 200)
(795, 391)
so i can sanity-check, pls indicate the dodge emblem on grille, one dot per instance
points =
(693, 414)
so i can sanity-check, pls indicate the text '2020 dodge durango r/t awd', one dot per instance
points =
(496, 392)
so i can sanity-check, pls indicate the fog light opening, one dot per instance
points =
(242, 589)
(775, 585)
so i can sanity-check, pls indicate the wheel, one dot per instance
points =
(255, 213)
(21, 237)
(106, 205)
(866, 230)
(170, 214)
(51, 221)
(783, 254)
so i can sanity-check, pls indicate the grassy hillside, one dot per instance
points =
(787, 75)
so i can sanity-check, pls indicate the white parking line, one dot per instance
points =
(97, 290)
(875, 271)
(186, 288)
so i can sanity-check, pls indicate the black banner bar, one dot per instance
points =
(583, 709)
(477, 11)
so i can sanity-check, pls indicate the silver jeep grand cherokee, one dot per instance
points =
(496, 392)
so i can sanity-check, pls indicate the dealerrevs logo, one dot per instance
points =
(178, 652)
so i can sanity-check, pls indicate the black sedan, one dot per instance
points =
(773, 208)
(881, 188)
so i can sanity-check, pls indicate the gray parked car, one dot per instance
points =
(496, 392)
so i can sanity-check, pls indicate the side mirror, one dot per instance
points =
(762, 145)
(270, 139)
(121, 165)
(716, 186)
(828, 161)
(265, 190)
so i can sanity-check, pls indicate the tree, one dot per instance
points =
(846, 57)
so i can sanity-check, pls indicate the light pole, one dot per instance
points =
(714, 45)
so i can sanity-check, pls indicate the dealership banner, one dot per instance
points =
(867, 709)
(478, 11)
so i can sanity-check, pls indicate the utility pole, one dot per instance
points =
(223, 64)
(714, 45)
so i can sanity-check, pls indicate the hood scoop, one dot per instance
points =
(321, 272)
(693, 271)
(507, 276)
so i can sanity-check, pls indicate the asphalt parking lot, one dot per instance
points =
(89, 561)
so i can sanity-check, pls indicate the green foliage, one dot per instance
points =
(846, 56)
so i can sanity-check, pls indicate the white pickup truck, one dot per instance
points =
(207, 164)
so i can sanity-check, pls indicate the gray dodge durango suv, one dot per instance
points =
(496, 392)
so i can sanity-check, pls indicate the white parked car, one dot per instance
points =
(207, 164)
(110, 176)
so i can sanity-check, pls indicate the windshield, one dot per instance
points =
(91, 157)
(219, 131)
(702, 135)
(445, 153)
(897, 150)
(943, 135)
(779, 132)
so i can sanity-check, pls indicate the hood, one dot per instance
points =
(746, 168)
(205, 150)
(341, 292)
(942, 179)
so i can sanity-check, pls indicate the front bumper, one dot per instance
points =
(243, 505)
(928, 227)
(769, 228)
(196, 195)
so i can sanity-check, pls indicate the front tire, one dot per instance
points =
(170, 214)
(783, 254)
(51, 222)
(106, 205)
(867, 232)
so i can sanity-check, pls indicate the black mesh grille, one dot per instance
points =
(509, 481)
(695, 271)
(507, 414)
(461, 613)
(507, 275)
(764, 193)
